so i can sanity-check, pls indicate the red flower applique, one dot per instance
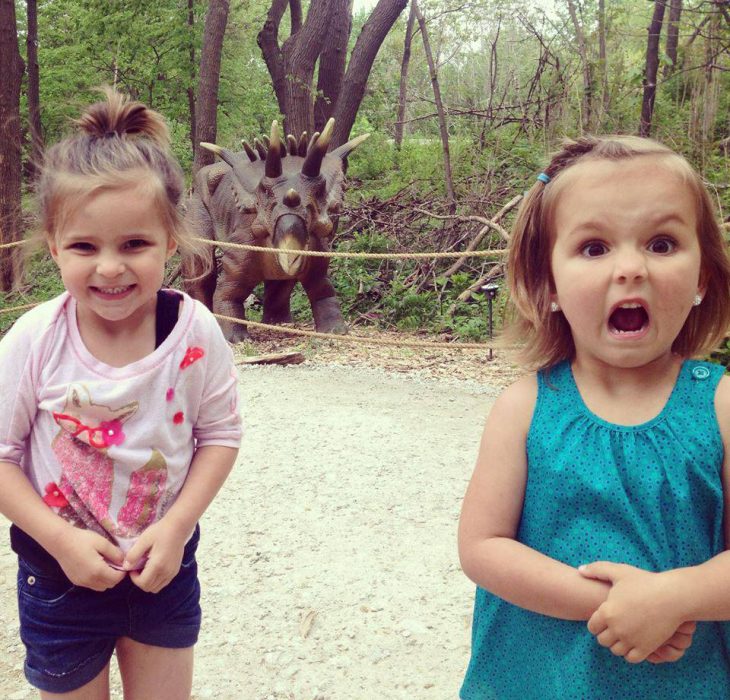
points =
(54, 497)
(191, 355)
(178, 418)
(111, 432)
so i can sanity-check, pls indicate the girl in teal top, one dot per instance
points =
(593, 523)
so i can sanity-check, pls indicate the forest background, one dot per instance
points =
(464, 100)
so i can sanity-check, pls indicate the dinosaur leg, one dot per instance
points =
(231, 293)
(325, 307)
(277, 294)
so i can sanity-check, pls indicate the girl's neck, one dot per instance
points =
(118, 343)
(627, 396)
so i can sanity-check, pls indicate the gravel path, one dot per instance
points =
(328, 561)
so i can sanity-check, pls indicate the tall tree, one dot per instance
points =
(403, 91)
(443, 129)
(210, 71)
(587, 98)
(675, 13)
(34, 96)
(651, 68)
(291, 64)
(11, 68)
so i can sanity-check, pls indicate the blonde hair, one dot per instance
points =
(545, 338)
(118, 143)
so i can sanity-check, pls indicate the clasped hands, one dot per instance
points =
(640, 620)
(92, 561)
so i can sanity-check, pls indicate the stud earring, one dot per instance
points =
(698, 300)
(554, 306)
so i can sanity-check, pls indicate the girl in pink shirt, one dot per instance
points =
(120, 421)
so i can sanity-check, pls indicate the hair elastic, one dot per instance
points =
(543, 178)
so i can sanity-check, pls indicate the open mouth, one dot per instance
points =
(628, 319)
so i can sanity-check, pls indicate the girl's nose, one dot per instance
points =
(630, 266)
(109, 266)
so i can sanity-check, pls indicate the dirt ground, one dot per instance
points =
(328, 562)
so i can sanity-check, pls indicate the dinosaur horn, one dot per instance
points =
(291, 145)
(273, 157)
(317, 151)
(346, 148)
(223, 153)
(303, 143)
(292, 198)
(244, 174)
(249, 151)
(259, 149)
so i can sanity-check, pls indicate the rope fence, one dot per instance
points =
(331, 254)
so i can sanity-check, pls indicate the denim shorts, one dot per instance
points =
(70, 632)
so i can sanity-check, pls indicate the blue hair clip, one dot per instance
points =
(543, 178)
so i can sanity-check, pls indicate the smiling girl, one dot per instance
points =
(617, 449)
(120, 422)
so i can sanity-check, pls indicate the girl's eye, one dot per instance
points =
(593, 249)
(662, 246)
(136, 243)
(81, 247)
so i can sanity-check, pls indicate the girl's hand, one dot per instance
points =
(675, 647)
(83, 556)
(640, 614)
(160, 551)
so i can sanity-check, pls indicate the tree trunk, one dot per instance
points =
(403, 93)
(34, 99)
(603, 60)
(652, 65)
(191, 87)
(450, 195)
(587, 98)
(332, 62)
(268, 41)
(675, 13)
(366, 48)
(11, 68)
(291, 64)
(210, 69)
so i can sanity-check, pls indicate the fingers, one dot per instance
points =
(665, 654)
(597, 623)
(601, 570)
(687, 628)
(150, 580)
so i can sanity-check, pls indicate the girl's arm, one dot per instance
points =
(164, 541)
(80, 553)
(490, 516)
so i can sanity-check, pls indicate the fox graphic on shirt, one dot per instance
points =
(83, 495)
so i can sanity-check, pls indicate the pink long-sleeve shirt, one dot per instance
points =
(108, 448)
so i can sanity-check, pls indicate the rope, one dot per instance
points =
(356, 339)
(12, 309)
(333, 254)
(363, 256)
(323, 336)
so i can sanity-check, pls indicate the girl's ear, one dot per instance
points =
(171, 246)
(52, 247)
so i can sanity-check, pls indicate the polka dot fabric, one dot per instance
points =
(649, 495)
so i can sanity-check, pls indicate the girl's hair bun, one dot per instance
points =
(121, 116)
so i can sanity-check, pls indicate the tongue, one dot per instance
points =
(628, 319)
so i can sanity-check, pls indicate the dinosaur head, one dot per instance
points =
(294, 187)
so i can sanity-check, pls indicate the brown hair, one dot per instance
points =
(118, 143)
(545, 338)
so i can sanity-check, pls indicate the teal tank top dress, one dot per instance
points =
(649, 495)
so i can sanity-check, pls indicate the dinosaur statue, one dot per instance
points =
(284, 194)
